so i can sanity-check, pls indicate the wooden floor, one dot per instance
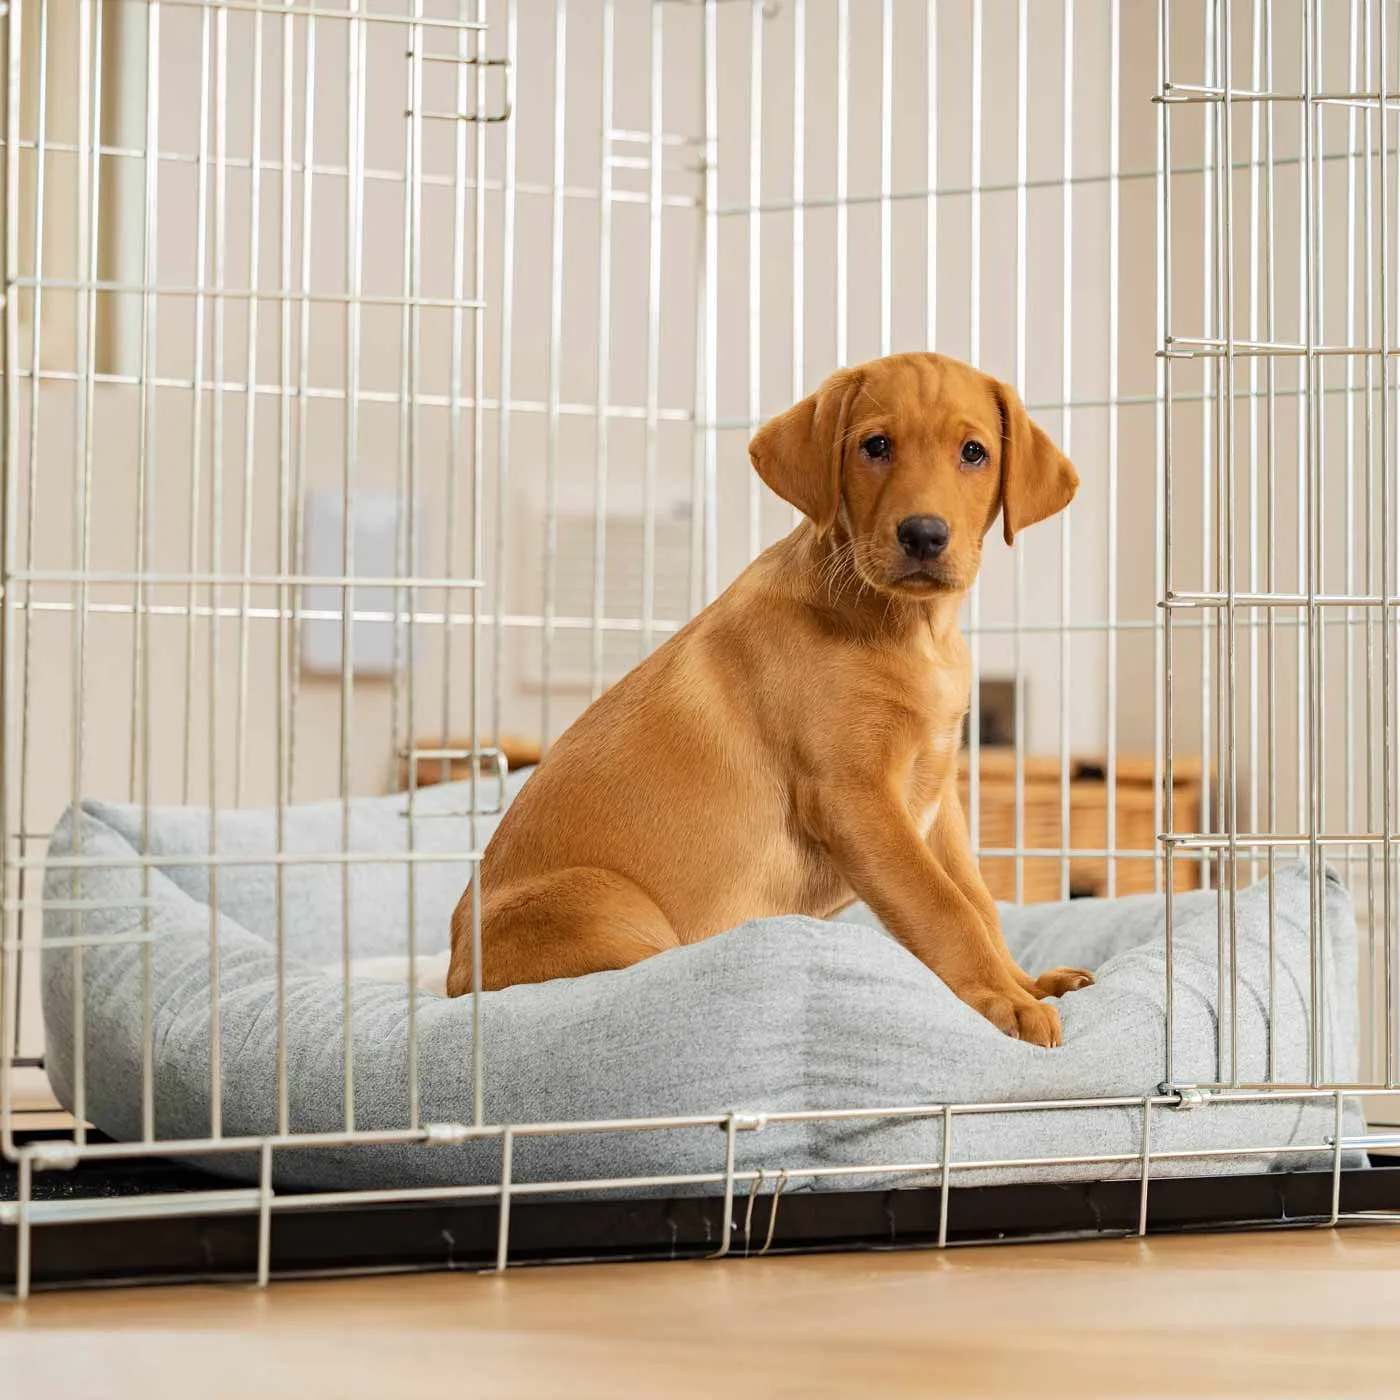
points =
(1298, 1313)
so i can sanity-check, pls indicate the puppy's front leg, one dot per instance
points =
(872, 840)
(952, 849)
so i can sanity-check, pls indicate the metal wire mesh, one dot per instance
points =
(532, 271)
(1280, 534)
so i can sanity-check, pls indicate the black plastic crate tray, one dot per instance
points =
(434, 1235)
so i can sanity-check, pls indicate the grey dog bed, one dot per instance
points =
(779, 1014)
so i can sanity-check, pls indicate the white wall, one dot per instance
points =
(115, 406)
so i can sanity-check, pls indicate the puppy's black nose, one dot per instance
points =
(922, 537)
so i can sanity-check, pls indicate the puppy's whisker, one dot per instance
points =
(885, 617)
(849, 564)
(835, 566)
(866, 393)
(840, 575)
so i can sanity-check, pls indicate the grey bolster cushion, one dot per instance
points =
(777, 1015)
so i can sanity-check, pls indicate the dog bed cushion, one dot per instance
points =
(779, 1014)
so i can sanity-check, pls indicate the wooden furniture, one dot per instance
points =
(1043, 793)
(519, 753)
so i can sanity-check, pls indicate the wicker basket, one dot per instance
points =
(1043, 793)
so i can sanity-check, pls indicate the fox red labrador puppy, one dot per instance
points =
(795, 746)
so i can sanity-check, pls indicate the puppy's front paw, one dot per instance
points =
(1019, 1015)
(1060, 980)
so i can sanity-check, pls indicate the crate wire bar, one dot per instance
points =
(536, 269)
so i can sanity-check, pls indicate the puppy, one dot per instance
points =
(795, 745)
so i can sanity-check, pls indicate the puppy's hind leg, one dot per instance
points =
(564, 924)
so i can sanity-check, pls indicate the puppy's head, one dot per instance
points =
(911, 458)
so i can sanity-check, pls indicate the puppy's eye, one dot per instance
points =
(877, 448)
(973, 454)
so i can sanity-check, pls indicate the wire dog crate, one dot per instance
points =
(378, 375)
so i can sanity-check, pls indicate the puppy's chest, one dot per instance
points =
(933, 768)
(934, 761)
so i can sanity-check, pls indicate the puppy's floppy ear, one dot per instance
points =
(1037, 479)
(799, 454)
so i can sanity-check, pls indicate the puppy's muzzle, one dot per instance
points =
(922, 537)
